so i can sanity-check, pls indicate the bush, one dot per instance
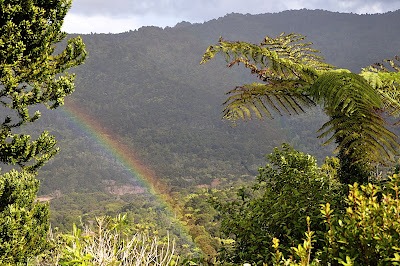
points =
(368, 233)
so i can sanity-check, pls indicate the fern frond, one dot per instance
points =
(386, 83)
(351, 100)
(280, 58)
(372, 78)
(339, 88)
(262, 99)
(362, 134)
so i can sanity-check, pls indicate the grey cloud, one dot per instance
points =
(196, 10)
(360, 6)
(120, 15)
(128, 7)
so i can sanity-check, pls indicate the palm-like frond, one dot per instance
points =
(294, 77)
(386, 83)
(285, 64)
(260, 98)
(361, 133)
(345, 90)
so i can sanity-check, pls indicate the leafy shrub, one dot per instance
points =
(368, 233)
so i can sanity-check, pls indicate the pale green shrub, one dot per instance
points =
(367, 234)
(106, 245)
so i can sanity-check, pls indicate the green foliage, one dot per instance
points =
(386, 83)
(368, 233)
(288, 190)
(201, 221)
(30, 74)
(303, 252)
(285, 65)
(175, 127)
(29, 31)
(294, 77)
(23, 223)
(143, 214)
(360, 134)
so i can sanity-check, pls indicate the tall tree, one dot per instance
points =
(30, 74)
(294, 78)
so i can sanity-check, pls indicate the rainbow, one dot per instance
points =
(126, 157)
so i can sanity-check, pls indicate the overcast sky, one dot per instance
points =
(114, 16)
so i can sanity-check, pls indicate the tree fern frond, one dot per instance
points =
(264, 98)
(337, 87)
(357, 132)
(331, 125)
(260, 104)
(393, 63)
(386, 83)
(270, 102)
(372, 150)
(256, 112)
(278, 98)
(290, 103)
(372, 78)
(281, 56)
(372, 125)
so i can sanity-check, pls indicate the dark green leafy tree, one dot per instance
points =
(288, 189)
(29, 31)
(30, 74)
(23, 224)
(293, 78)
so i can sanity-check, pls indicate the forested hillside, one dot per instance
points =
(148, 88)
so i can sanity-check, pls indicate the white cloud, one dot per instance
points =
(76, 23)
(79, 23)
(372, 9)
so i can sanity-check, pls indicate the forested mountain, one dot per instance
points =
(148, 89)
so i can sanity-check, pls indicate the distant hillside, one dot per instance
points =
(148, 88)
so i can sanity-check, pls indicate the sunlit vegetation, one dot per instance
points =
(30, 74)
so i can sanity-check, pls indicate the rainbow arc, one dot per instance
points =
(126, 157)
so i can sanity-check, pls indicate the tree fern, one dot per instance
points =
(293, 77)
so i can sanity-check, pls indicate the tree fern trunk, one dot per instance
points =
(352, 169)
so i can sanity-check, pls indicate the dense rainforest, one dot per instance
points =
(147, 90)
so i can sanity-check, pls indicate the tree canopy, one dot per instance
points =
(30, 74)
